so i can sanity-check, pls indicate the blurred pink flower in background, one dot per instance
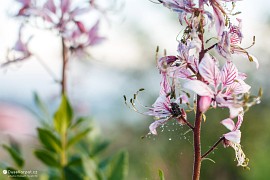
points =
(16, 121)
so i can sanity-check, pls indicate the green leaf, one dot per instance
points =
(91, 169)
(104, 163)
(78, 137)
(77, 163)
(98, 147)
(71, 174)
(118, 166)
(49, 140)
(78, 122)
(16, 156)
(42, 106)
(47, 158)
(63, 116)
(161, 175)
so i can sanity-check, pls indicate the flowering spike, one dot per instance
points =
(212, 86)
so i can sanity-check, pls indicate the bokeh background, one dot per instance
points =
(121, 65)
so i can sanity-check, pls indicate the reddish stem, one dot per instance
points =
(213, 147)
(198, 120)
(211, 47)
(197, 143)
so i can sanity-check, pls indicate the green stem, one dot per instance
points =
(63, 154)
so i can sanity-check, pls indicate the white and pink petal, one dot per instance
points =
(238, 87)
(199, 88)
(219, 20)
(165, 85)
(209, 70)
(228, 123)
(235, 110)
(229, 73)
(234, 136)
(153, 127)
(255, 60)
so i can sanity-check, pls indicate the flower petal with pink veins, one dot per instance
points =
(219, 20)
(228, 123)
(199, 88)
(239, 121)
(234, 136)
(160, 108)
(238, 87)
(229, 73)
(209, 70)
(165, 85)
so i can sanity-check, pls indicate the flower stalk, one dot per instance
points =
(197, 144)
(213, 147)
(64, 66)
(198, 120)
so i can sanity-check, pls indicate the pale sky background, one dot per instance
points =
(132, 36)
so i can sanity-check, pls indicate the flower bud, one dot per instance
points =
(204, 103)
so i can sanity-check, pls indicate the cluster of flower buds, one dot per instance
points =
(63, 17)
(196, 69)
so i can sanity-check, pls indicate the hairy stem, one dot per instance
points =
(197, 143)
(213, 147)
(187, 123)
(64, 67)
(198, 120)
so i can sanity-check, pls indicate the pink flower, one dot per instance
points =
(64, 17)
(230, 43)
(219, 85)
(81, 38)
(232, 139)
(179, 66)
(26, 4)
(20, 50)
(235, 134)
(164, 109)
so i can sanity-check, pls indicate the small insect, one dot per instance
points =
(175, 110)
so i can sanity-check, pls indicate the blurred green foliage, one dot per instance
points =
(68, 151)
